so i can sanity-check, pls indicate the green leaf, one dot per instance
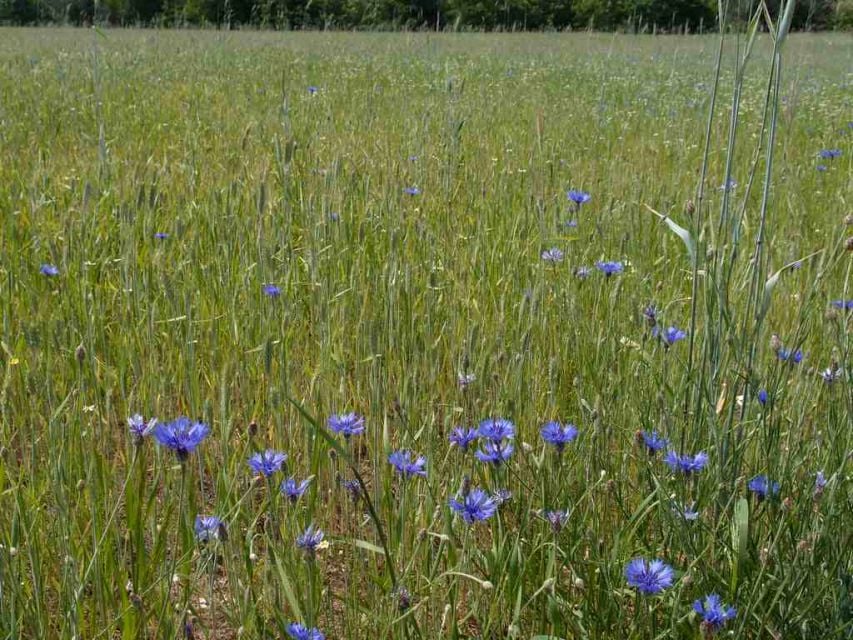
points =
(740, 541)
(680, 231)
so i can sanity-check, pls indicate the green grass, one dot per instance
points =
(214, 139)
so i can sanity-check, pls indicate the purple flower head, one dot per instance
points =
(763, 487)
(670, 335)
(413, 158)
(729, 185)
(293, 490)
(405, 466)
(271, 290)
(558, 435)
(299, 631)
(582, 272)
(476, 506)
(161, 235)
(181, 436)
(494, 452)
(762, 396)
(208, 528)
(268, 462)
(496, 429)
(404, 598)
(353, 487)
(557, 519)
(686, 463)
(786, 355)
(462, 437)
(501, 496)
(347, 424)
(570, 224)
(139, 428)
(653, 441)
(552, 256)
(412, 191)
(578, 197)
(649, 577)
(310, 539)
(831, 374)
(650, 313)
(821, 168)
(686, 511)
(49, 270)
(464, 380)
(820, 483)
(609, 267)
(829, 154)
(312, 90)
(714, 613)
(843, 304)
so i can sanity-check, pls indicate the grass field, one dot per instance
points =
(398, 192)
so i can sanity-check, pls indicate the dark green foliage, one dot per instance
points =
(505, 15)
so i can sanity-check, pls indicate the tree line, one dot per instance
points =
(509, 15)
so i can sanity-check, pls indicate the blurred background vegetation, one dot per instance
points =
(630, 15)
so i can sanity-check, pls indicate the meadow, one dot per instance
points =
(620, 265)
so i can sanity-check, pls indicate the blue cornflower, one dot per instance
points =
(161, 235)
(402, 462)
(412, 191)
(763, 487)
(495, 452)
(649, 577)
(268, 462)
(502, 495)
(570, 224)
(557, 519)
(686, 511)
(353, 487)
(582, 272)
(476, 506)
(609, 268)
(653, 441)
(821, 168)
(293, 490)
(578, 197)
(820, 483)
(496, 429)
(729, 185)
(413, 158)
(347, 424)
(310, 539)
(786, 355)
(714, 613)
(552, 256)
(299, 631)
(312, 89)
(829, 154)
(558, 435)
(843, 304)
(462, 437)
(182, 436)
(138, 426)
(670, 335)
(49, 270)
(762, 396)
(334, 216)
(271, 290)
(686, 464)
(831, 374)
(465, 379)
(208, 528)
(650, 313)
